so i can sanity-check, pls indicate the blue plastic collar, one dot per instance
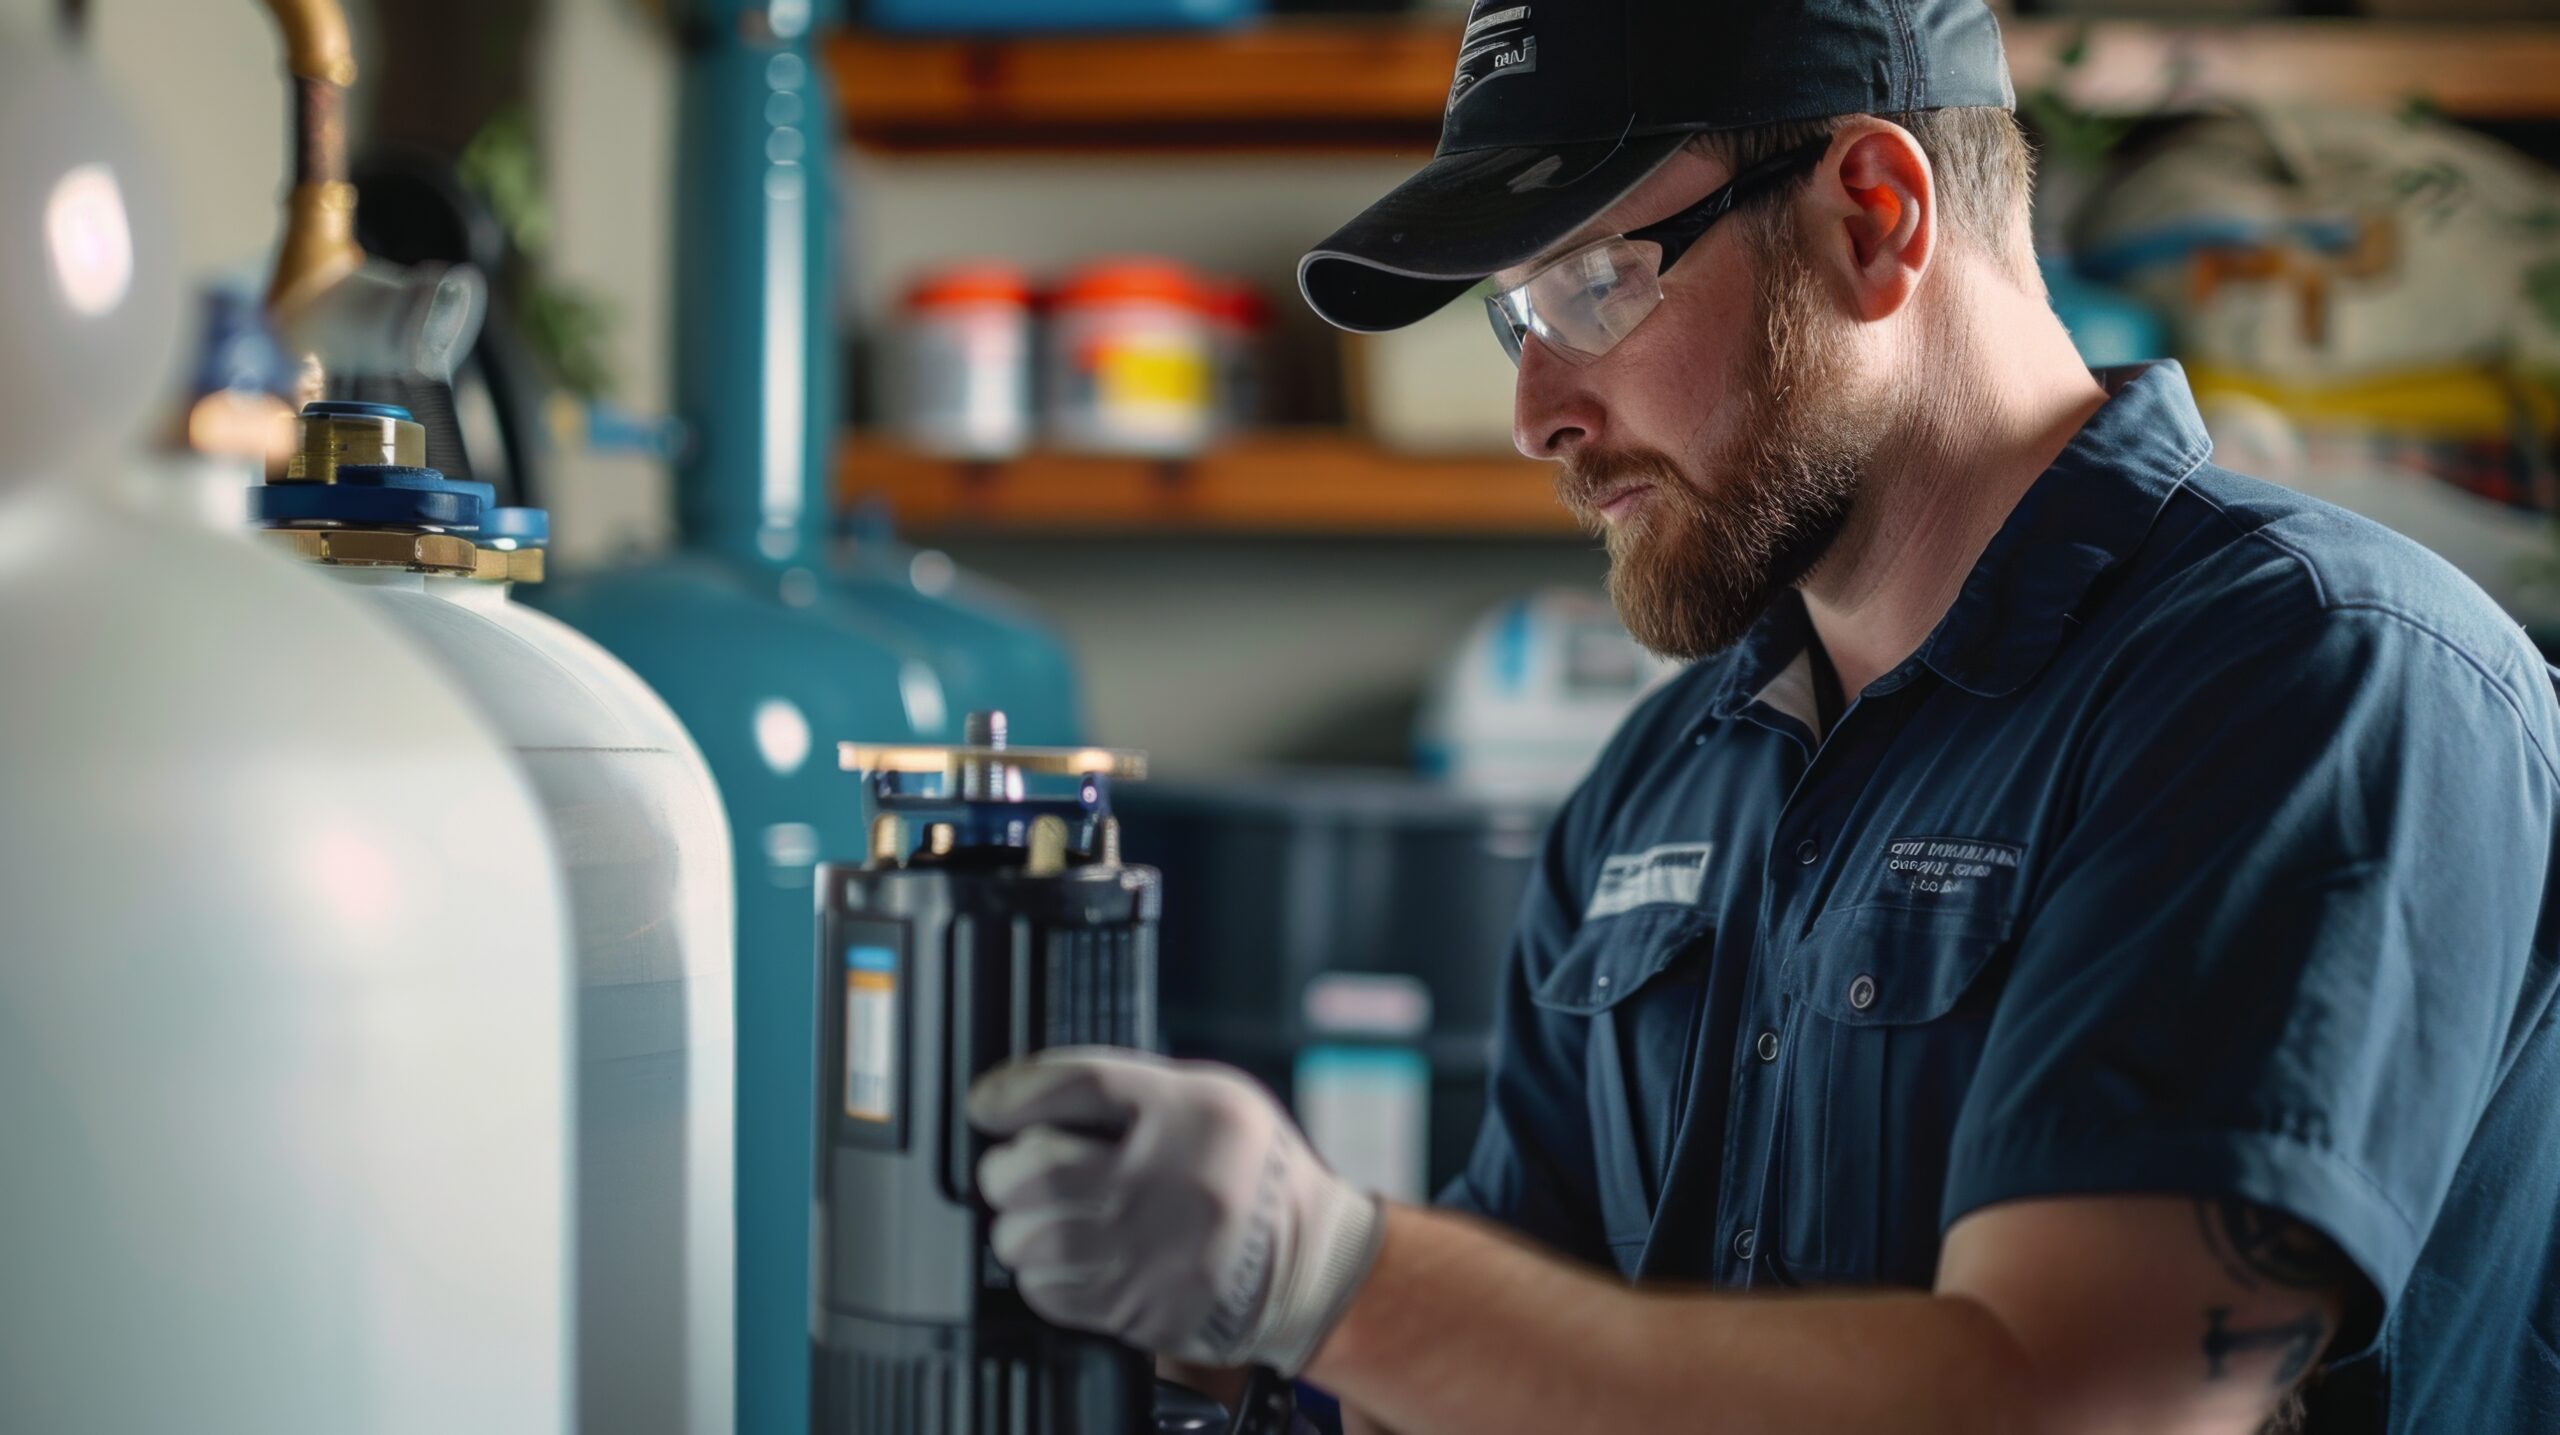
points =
(516, 527)
(376, 496)
(350, 409)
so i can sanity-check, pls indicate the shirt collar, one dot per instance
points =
(2087, 512)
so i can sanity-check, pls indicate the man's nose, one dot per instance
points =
(1553, 416)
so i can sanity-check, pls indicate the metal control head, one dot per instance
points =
(356, 496)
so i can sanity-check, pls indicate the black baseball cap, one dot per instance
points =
(1560, 107)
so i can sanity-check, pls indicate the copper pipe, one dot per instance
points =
(319, 247)
(316, 46)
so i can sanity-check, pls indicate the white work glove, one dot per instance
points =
(1169, 1204)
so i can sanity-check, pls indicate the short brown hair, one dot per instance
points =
(1980, 158)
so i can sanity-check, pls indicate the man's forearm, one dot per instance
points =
(1459, 1330)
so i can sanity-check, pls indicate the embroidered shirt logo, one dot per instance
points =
(1672, 874)
(1937, 870)
(1498, 42)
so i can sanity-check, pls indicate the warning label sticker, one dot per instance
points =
(870, 1033)
(1940, 870)
(1499, 41)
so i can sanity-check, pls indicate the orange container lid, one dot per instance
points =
(1126, 281)
(971, 284)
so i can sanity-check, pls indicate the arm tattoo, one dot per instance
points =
(2262, 1250)
(2259, 1248)
(2299, 1340)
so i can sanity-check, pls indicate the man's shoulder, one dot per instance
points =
(2242, 566)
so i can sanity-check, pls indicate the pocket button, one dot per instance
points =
(1862, 992)
(1768, 1046)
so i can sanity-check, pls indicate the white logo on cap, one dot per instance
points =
(1498, 42)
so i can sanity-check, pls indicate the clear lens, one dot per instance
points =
(1583, 304)
(1507, 331)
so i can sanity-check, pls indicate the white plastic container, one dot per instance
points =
(1532, 695)
(284, 998)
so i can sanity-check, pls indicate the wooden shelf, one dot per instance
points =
(2482, 71)
(1344, 83)
(1380, 83)
(1273, 484)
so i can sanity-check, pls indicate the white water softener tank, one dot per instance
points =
(644, 846)
(628, 1140)
(284, 998)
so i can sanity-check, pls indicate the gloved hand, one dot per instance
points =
(1169, 1204)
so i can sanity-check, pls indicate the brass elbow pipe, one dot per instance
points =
(319, 248)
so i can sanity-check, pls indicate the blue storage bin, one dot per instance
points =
(1026, 16)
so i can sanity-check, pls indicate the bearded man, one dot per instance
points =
(2074, 952)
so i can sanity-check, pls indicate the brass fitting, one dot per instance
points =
(334, 439)
(1048, 854)
(319, 248)
(318, 251)
(437, 553)
(888, 840)
(316, 42)
(508, 565)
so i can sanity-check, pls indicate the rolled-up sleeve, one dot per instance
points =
(2279, 952)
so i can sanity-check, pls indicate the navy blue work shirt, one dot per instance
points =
(2204, 848)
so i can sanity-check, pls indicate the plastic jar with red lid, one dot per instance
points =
(1132, 364)
(961, 383)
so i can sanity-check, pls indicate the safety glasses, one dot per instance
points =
(1582, 304)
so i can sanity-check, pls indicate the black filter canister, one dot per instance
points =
(936, 970)
(993, 918)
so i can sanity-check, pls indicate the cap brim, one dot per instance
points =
(1462, 217)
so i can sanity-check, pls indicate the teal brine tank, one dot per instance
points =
(992, 650)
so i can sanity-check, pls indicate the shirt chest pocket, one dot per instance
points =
(1638, 982)
(1886, 1014)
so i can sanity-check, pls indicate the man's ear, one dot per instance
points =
(1874, 215)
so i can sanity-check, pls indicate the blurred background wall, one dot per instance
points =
(1321, 636)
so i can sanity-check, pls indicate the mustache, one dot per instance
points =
(1586, 482)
